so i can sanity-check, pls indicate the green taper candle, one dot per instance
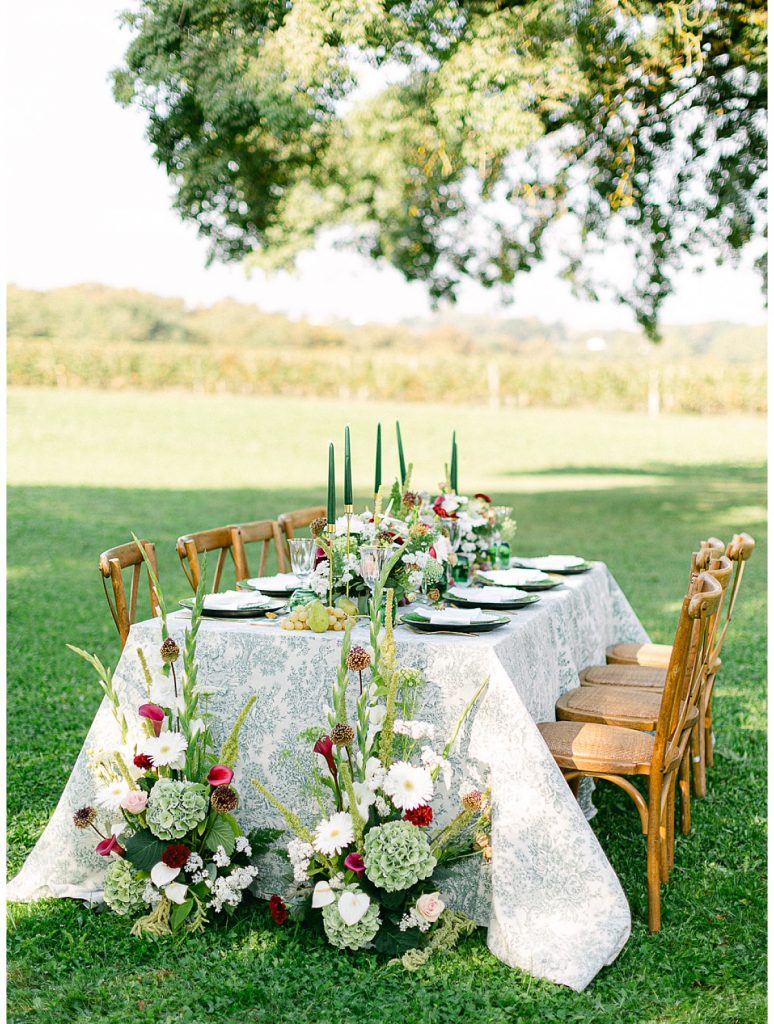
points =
(331, 485)
(347, 468)
(453, 466)
(400, 454)
(378, 470)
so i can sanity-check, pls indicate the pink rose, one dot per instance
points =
(220, 775)
(430, 906)
(154, 714)
(134, 802)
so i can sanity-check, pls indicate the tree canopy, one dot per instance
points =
(451, 137)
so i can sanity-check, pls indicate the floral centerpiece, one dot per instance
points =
(478, 526)
(408, 524)
(165, 805)
(369, 870)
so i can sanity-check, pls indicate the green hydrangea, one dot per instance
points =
(124, 887)
(434, 572)
(397, 855)
(174, 808)
(350, 936)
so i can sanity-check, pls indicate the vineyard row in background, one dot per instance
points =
(699, 384)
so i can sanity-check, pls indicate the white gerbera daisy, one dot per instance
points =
(408, 787)
(166, 750)
(110, 795)
(333, 834)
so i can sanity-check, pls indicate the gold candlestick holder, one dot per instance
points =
(348, 510)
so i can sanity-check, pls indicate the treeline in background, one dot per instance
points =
(98, 337)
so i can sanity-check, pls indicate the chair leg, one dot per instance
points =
(697, 761)
(654, 855)
(574, 785)
(685, 793)
(670, 810)
(708, 744)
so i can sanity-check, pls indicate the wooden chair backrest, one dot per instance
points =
(740, 547)
(266, 531)
(289, 522)
(690, 652)
(191, 545)
(111, 565)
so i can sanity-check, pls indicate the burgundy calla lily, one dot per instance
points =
(484, 497)
(108, 846)
(355, 863)
(154, 714)
(220, 775)
(324, 746)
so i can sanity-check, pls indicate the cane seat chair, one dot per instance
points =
(112, 564)
(655, 655)
(618, 754)
(626, 681)
(263, 531)
(289, 522)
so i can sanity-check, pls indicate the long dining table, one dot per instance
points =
(549, 899)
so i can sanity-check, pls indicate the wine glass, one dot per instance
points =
(302, 551)
(372, 562)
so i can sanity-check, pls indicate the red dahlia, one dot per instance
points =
(421, 815)
(143, 761)
(175, 855)
(278, 910)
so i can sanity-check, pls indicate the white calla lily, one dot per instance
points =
(162, 874)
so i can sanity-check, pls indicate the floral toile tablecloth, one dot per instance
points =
(551, 902)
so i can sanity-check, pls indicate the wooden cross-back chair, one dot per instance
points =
(622, 673)
(264, 531)
(618, 754)
(289, 522)
(191, 545)
(111, 566)
(228, 540)
(738, 551)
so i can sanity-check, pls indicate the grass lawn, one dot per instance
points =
(86, 468)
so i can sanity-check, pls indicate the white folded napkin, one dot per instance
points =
(234, 600)
(487, 593)
(551, 562)
(281, 581)
(513, 577)
(451, 616)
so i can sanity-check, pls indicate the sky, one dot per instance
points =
(86, 202)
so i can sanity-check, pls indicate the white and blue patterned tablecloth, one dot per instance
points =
(551, 902)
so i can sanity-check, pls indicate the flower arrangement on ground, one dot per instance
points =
(165, 804)
(368, 870)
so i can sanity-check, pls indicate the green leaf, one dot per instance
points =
(235, 827)
(220, 833)
(179, 913)
(144, 850)
(261, 839)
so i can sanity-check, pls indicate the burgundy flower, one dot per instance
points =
(220, 775)
(319, 556)
(440, 510)
(143, 761)
(278, 910)
(108, 846)
(154, 714)
(175, 855)
(355, 863)
(432, 552)
(324, 746)
(419, 816)
(483, 497)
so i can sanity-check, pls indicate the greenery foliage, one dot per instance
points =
(633, 121)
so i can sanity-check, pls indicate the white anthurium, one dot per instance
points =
(117, 828)
(353, 906)
(323, 895)
(162, 874)
(176, 892)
